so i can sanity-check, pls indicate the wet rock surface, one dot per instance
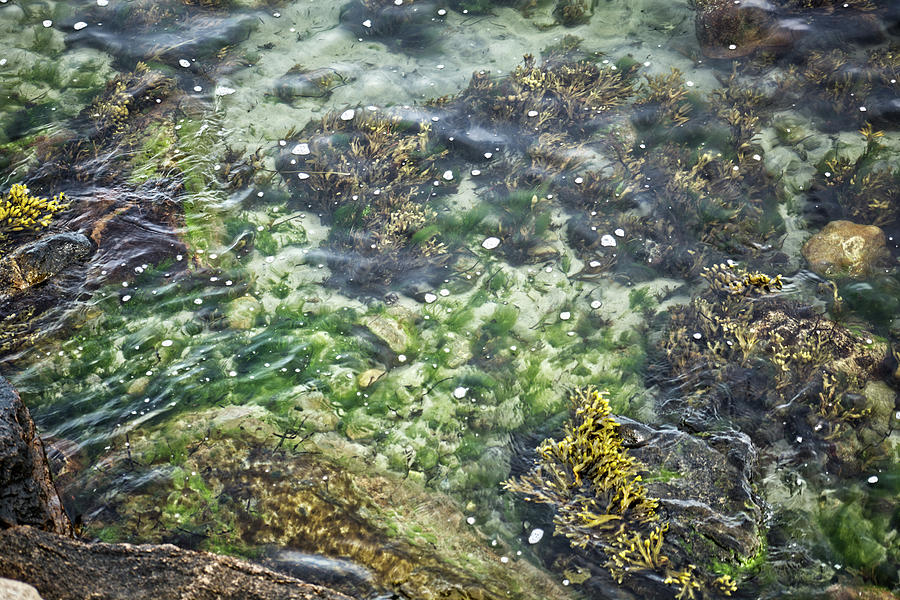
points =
(64, 569)
(704, 489)
(27, 494)
(845, 249)
(38, 261)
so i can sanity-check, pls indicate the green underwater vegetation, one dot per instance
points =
(356, 289)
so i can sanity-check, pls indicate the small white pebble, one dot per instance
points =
(184, 63)
(367, 23)
(565, 315)
(607, 241)
(348, 115)
(697, 335)
(47, 23)
(102, 2)
(490, 243)
(535, 536)
(448, 175)
(595, 304)
(166, 343)
(442, 12)
(732, 46)
(197, 88)
(79, 25)
(429, 298)
(470, 520)
(475, 172)
(873, 479)
(301, 149)
(460, 392)
(689, 83)
(619, 232)
(532, 113)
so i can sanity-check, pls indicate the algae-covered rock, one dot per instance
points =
(695, 511)
(243, 311)
(845, 249)
(38, 261)
(251, 488)
(704, 487)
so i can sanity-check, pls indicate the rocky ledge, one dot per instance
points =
(63, 568)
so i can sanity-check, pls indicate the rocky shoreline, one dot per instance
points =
(38, 546)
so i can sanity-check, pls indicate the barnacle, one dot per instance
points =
(20, 211)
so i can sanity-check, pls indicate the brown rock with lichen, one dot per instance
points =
(845, 249)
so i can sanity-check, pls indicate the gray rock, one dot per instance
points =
(703, 487)
(40, 260)
(27, 494)
(66, 569)
(16, 590)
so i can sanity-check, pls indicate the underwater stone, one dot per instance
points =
(390, 331)
(242, 312)
(712, 511)
(845, 249)
(369, 376)
(40, 260)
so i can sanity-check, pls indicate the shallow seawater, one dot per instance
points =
(358, 271)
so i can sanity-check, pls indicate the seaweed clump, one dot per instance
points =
(552, 97)
(371, 176)
(792, 363)
(20, 211)
(865, 189)
(600, 504)
(573, 12)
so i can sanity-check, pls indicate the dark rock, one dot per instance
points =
(38, 261)
(703, 487)
(67, 569)
(27, 494)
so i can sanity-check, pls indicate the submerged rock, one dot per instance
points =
(27, 494)
(38, 261)
(728, 29)
(65, 569)
(237, 493)
(845, 249)
(703, 487)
